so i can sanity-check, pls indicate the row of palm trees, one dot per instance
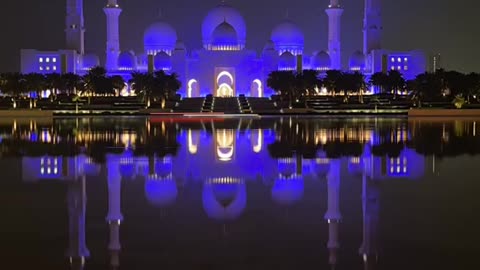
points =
(430, 86)
(95, 82)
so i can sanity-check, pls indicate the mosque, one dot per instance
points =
(224, 66)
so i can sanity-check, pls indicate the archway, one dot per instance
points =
(192, 88)
(225, 84)
(257, 88)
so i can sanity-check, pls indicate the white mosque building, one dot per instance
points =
(224, 66)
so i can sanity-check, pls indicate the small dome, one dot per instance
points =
(159, 36)
(287, 36)
(288, 191)
(220, 14)
(287, 61)
(269, 46)
(357, 61)
(224, 34)
(90, 61)
(160, 192)
(180, 46)
(162, 61)
(127, 60)
(321, 61)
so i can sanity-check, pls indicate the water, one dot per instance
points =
(269, 193)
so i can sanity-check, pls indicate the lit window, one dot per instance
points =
(399, 59)
(405, 68)
(405, 59)
(393, 60)
(40, 60)
(41, 68)
(393, 68)
(54, 67)
(47, 60)
(399, 68)
(48, 68)
(54, 59)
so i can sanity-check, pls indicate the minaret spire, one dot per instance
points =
(112, 11)
(372, 26)
(75, 26)
(334, 12)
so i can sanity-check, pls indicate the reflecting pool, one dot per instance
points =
(247, 193)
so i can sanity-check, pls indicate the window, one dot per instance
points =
(48, 68)
(54, 59)
(405, 59)
(47, 60)
(399, 68)
(40, 68)
(399, 59)
(405, 68)
(393, 68)
(54, 67)
(393, 60)
(40, 59)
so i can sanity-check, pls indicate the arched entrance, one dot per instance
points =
(225, 83)
(257, 88)
(193, 89)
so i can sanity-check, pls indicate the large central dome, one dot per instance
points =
(220, 14)
(159, 36)
(288, 37)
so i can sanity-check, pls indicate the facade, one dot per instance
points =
(224, 66)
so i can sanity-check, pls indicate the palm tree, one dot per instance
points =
(72, 82)
(380, 80)
(35, 82)
(310, 81)
(358, 80)
(14, 85)
(333, 81)
(282, 82)
(142, 84)
(118, 83)
(395, 81)
(54, 83)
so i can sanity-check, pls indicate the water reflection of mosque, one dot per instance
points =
(225, 162)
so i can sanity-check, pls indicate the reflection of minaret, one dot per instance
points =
(333, 215)
(114, 216)
(77, 199)
(370, 202)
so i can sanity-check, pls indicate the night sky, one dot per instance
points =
(441, 26)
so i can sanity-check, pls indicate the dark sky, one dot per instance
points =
(444, 26)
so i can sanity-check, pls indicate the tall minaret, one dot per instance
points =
(76, 197)
(74, 26)
(333, 215)
(114, 215)
(372, 26)
(334, 12)
(112, 10)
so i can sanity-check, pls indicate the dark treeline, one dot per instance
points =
(440, 86)
(158, 85)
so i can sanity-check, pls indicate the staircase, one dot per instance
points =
(208, 104)
(228, 105)
(190, 105)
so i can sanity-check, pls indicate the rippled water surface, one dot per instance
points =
(260, 193)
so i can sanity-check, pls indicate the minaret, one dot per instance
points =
(372, 26)
(370, 202)
(76, 197)
(334, 12)
(114, 215)
(333, 215)
(75, 27)
(112, 10)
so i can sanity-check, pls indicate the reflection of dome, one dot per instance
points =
(162, 61)
(287, 36)
(224, 34)
(159, 36)
(287, 61)
(160, 192)
(357, 61)
(90, 60)
(287, 191)
(355, 165)
(322, 165)
(287, 167)
(127, 165)
(218, 15)
(224, 198)
(127, 60)
(91, 168)
(321, 61)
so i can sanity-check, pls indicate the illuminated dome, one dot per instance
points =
(287, 36)
(127, 61)
(287, 191)
(90, 60)
(224, 198)
(357, 61)
(162, 61)
(321, 61)
(158, 37)
(224, 34)
(218, 15)
(287, 61)
(160, 192)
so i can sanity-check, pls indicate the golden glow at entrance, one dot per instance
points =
(224, 90)
(225, 84)
(225, 144)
